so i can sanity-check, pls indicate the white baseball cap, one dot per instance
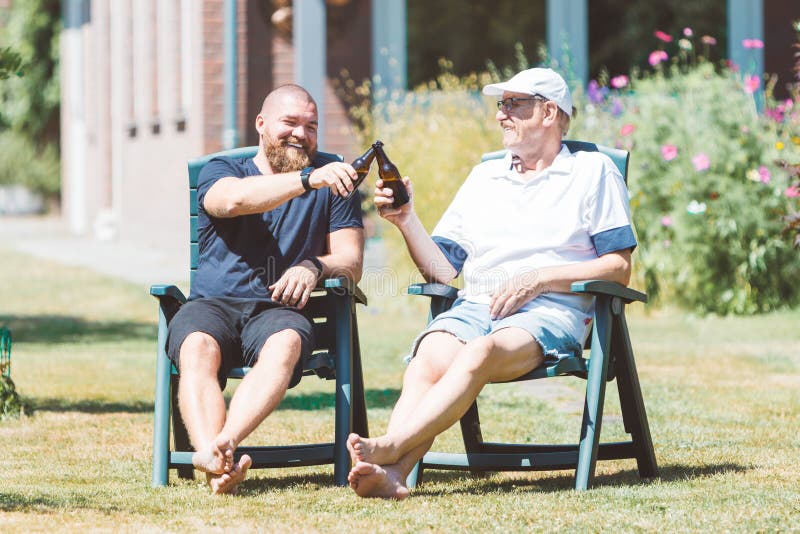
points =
(537, 81)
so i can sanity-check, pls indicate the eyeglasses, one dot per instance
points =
(507, 104)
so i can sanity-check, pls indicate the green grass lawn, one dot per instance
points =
(723, 399)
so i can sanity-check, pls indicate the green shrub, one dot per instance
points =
(22, 163)
(708, 220)
(709, 215)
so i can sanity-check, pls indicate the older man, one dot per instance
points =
(522, 228)
(269, 228)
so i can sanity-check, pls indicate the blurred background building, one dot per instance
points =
(147, 84)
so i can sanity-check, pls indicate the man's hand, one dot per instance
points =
(384, 197)
(520, 290)
(338, 176)
(296, 284)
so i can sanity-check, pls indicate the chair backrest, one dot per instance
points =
(620, 157)
(318, 308)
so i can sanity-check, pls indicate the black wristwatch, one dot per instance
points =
(317, 264)
(305, 174)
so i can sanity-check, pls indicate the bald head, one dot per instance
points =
(276, 99)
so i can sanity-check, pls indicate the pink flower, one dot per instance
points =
(661, 36)
(792, 192)
(764, 174)
(708, 40)
(627, 129)
(701, 162)
(687, 32)
(666, 221)
(656, 57)
(618, 82)
(751, 84)
(669, 152)
(753, 43)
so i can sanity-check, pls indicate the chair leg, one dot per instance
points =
(595, 395)
(360, 424)
(634, 414)
(344, 376)
(161, 411)
(471, 433)
(179, 432)
(414, 478)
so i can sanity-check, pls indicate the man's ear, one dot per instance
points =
(260, 124)
(551, 113)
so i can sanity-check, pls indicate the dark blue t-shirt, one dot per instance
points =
(242, 256)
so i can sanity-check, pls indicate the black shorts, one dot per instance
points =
(240, 326)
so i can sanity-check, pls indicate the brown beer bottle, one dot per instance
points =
(390, 176)
(361, 165)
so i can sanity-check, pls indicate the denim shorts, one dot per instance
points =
(469, 320)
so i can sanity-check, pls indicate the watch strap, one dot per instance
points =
(305, 174)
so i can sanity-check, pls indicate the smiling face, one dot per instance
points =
(288, 126)
(523, 124)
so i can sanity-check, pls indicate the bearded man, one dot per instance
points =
(269, 228)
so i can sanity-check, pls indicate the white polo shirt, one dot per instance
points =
(500, 226)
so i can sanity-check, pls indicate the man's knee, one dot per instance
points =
(199, 351)
(433, 357)
(283, 348)
(475, 356)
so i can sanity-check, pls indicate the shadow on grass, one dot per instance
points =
(93, 406)
(18, 502)
(268, 480)
(565, 481)
(376, 398)
(69, 329)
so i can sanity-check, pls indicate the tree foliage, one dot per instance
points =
(30, 103)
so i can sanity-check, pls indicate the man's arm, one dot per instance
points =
(428, 257)
(612, 267)
(232, 197)
(345, 258)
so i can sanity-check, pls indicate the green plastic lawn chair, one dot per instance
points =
(336, 356)
(610, 356)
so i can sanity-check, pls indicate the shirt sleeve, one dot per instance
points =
(345, 212)
(212, 171)
(608, 213)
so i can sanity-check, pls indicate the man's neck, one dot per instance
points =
(262, 163)
(534, 162)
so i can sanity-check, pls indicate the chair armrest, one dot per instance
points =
(163, 291)
(613, 289)
(343, 283)
(434, 290)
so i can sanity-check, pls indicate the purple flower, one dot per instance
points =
(687, 32)
(666, 221)
(616, 107)
(597, 94)
(708, 40)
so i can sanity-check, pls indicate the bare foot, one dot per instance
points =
(217, 458)
(370, 450)
(229, 482)
(371, 480)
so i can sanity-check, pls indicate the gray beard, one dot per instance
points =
(281, 159)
